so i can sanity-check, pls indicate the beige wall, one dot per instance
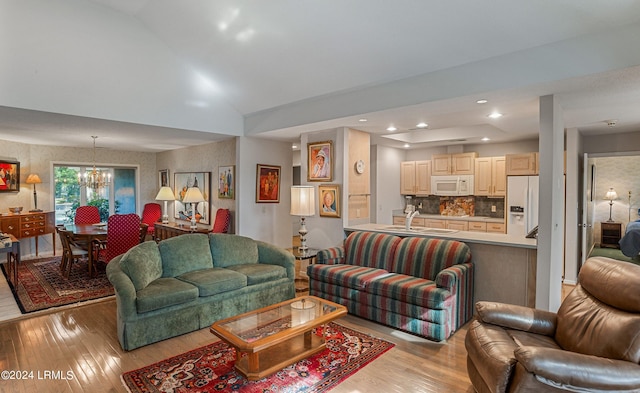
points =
(204, 158)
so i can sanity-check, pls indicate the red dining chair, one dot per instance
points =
(222, 221)
(123, 233)
(151, 213)
(87, 215)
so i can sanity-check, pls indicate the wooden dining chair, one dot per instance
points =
(123, 233)
(87, 215)
(71, 251)
(151, 213)
(143, 231)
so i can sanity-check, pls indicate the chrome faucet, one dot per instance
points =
(410, 216)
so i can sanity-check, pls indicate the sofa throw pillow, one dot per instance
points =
(142, 264)
(230, 250)
(185, 253)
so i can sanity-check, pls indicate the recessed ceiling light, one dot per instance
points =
(294, 146)
(362, 120)
(482, 101)
(495, 115)
(406, 145)
(391, 129)
(485, 139)
(422, 125)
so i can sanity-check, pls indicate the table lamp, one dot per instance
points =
(165, 194)
(34, 179)
(303, 205)
(610, 196)
(193, 196)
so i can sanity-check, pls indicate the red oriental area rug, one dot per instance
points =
(210, 368)
(41, 284)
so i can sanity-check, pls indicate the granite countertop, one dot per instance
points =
(498, 239)
(461, 218)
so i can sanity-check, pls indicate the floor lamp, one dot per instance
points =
(303, 205)
(34, 179)
(165, 194)
(193, 196)
(611, 195)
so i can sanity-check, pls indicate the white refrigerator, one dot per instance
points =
(522, 204)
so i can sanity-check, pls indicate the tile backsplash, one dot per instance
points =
(460, 206)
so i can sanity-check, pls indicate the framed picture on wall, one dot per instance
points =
(9, 176)
(320, 161)
(226, 181)
(163, 178)
(182, 181)
(268, 184)
(329, 197)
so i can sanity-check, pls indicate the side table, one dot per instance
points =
(610, 234)
(308, 255)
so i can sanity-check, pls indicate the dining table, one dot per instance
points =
(88, 233)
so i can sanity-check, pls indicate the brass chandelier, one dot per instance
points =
(95, 179)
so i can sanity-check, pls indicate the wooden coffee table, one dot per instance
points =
(276, 336)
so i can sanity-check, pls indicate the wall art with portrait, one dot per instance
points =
(227, 182)
(184, 180)
(9, 176)
(163, 178)
(329, 197)
(320, 161)
(268, 184)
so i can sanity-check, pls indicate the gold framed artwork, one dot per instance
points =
(320, 161)
(329, 197)
(226, 182)
(268, 183)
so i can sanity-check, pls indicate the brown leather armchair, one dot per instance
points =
(591, 344)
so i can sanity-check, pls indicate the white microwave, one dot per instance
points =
(452, 185)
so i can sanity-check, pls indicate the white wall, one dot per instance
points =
(269, 222)
(386, 185)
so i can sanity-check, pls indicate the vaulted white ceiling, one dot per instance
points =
(139, 72)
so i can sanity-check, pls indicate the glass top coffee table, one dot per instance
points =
(276, 336)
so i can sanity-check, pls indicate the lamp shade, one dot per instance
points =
(165, 194)
(33, 179)
(611, 194)
(303, 201)
(193, 195)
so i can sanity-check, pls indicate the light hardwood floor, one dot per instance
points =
(82, 340)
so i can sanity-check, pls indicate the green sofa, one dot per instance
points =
(187, 282)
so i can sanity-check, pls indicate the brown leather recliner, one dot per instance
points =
(591, 344)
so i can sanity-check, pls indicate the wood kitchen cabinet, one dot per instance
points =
(522, 164)
(458, 225)
(475, 226)
(435, 223)
(415, 177)
(453, 164)
(26, 225)
(490, 176)
(496, 227)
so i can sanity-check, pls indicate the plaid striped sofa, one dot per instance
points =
(420, 285)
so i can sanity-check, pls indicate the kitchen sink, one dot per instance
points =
(424, 230)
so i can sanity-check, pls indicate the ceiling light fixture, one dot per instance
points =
(406, 145)
(362, 120)
(495, 115)
(422, 125)
(391, 129)
(485, 139)
(294, 146)
(95, 179)
(482, 101)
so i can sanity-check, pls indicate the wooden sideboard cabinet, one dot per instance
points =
(26, 225)
(165, 231)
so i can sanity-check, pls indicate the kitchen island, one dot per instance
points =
(505, 266)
